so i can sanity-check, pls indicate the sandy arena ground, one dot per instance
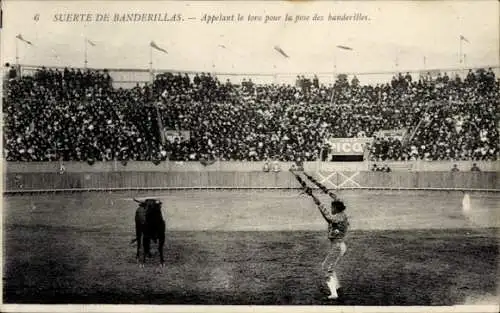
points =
(252, 247)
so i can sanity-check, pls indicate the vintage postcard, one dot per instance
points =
(291, 156)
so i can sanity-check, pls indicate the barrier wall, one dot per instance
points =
(234, 166)
(211, 179)
(420, 180)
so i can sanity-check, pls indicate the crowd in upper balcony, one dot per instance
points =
(74, 114)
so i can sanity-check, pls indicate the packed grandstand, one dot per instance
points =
(78, 115)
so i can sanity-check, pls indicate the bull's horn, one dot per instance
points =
(138, 201)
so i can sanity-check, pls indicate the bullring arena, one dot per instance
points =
(246, 236)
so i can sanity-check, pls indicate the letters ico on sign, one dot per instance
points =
(348, 146)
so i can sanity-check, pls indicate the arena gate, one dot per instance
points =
(337, 179)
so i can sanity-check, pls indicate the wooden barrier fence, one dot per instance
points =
(238, 166)
(22, 182)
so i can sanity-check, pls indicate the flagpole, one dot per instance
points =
(335, 68)
(85, 55)
(334, 64)
(17, 52)
(150, 64)
(160, 124)
(460, 52)
(334, 75)
(396, 62)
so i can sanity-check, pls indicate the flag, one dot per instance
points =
(281, 51)
(155, 46)
(344, 47)
(20, 37)
(464, 39)
(91, 43)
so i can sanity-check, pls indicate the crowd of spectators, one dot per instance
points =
(79, 115)
(75, 115)
(383, 168)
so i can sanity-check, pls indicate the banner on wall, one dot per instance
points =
(348, 146)
(399, 134)
(177, 135)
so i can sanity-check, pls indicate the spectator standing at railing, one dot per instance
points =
(11, 71)
(276, 166)
(266, 168)
(298, 82)
(474, 168)
(455, 168)
(315, 82)
(299, 164)
(386, 168)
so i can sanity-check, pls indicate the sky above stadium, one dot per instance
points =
(386, 36)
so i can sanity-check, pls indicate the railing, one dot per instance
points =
(239, 166)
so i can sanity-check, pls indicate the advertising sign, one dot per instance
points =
(179, 135)
(348, 146)
(392, 133)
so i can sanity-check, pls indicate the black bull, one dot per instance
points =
(149, 225)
